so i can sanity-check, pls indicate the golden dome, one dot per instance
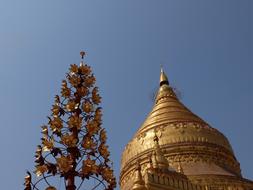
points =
(183, 136)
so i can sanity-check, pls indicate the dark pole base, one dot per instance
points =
(71, 187)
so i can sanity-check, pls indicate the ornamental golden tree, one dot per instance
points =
(73, 145)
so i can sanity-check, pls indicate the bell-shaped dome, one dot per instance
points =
(183, 136)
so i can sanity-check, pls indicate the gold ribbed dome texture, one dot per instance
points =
(182, 135)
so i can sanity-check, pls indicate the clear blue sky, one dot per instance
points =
(204, 46)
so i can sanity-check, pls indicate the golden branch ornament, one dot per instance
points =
(73, 144)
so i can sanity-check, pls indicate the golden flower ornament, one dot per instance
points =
(64, 163)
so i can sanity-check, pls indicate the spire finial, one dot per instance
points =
(159, 160)
(82, 54)
(163, 78)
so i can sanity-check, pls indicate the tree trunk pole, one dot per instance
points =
(71, 177)
(71, 183)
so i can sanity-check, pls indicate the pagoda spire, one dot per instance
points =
(139, 183)
(163, 78)
(164, 90)
(159, 160)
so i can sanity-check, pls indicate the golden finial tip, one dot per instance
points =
(82, 54)
(161, 68)
(163, 78)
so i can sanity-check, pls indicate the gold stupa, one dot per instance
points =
(176, 149)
